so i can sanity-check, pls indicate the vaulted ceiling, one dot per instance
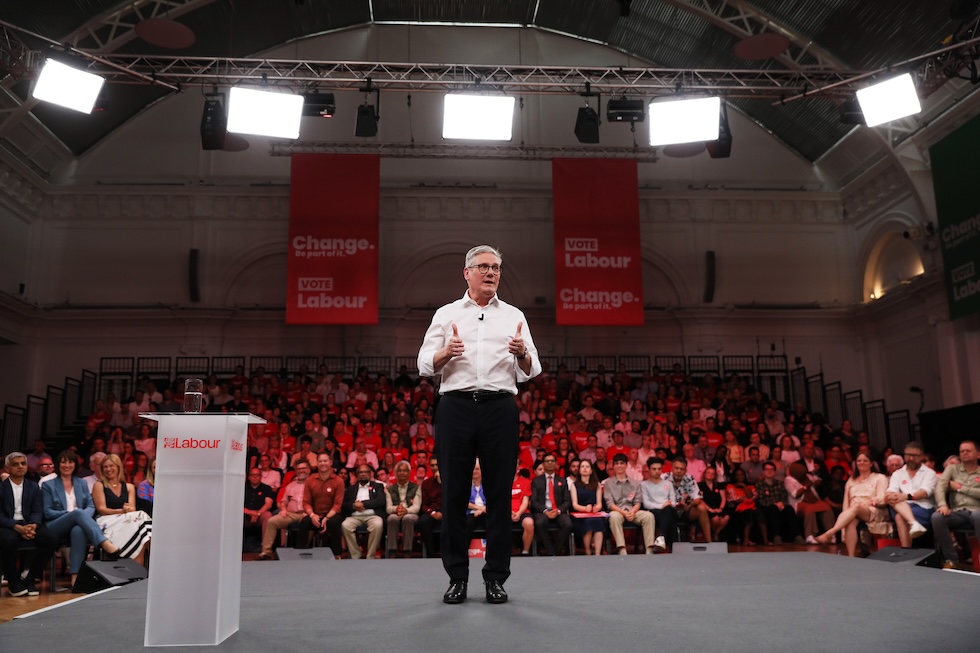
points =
(844, 35)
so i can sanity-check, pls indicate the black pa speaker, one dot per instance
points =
(709, 277)
(193, 286)
(317, 553)
(721, 148)
(700, 547)
(917, 557)
(366, 124)
(97, 575)
(214, 125)
(587, 125)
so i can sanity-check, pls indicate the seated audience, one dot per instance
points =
(740, 497)
(144, 491)
(804, 498)
(961, 507)
(773, 513)
(623, 500)
(364, 501)
(687, 497)
(864, 500)
(910, 495)
(657, 497)
(259, 500)
(550, 504)
(430, 512)
(714, 502)
(69, 512)
(291, 506)
(22, 525)
(115, 504)
(404, 500)
(323, 506)
(586, 497)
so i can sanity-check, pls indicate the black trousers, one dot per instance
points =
(541, 523)
(333, 533)
(465, 430)
(427, 528)
(777, 522)
(666, 519)
(45, 543)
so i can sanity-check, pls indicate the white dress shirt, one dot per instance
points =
(486, 331)
(924, 479)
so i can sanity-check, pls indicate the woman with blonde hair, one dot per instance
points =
(115, 504)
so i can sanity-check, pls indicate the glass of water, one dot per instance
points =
(193, 395)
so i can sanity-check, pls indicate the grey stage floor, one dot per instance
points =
(787, 602)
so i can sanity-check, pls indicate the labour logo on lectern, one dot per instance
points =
(190, 443)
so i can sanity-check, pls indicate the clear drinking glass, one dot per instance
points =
(193, 395)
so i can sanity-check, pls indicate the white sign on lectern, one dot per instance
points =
(195, 579)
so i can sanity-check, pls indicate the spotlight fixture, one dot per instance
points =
(889, 100)
(214, 123)
(587, 122)
(625, 110)
(264, 113)
(685, 121)
(368, 116)
(67, 86)
(319, 104)
(721, 148)
(850, 112)
(478, 117)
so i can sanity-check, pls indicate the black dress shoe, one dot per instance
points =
(495, 592)
(456, 592)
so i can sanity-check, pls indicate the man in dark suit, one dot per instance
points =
(551, 503)
(364, 503)
(21, 524)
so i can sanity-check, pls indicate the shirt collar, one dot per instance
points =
(469, 300)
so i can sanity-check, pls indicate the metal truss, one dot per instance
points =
(115, 28)
(743, 20)
(461, 151)
(781, 85)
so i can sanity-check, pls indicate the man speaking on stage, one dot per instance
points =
(482, 347)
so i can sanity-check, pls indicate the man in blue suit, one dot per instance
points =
(22, 524)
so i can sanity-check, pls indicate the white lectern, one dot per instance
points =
(195, 580)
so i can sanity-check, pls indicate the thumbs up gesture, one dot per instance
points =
(455, 346)
(516, 344)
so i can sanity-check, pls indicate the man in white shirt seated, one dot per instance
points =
(910, 495)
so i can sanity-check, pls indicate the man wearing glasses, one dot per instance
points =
(910, 495)
(482, 348)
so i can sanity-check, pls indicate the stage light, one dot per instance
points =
(890, 100)
(478, 117)
(319, 104)
(264, 113)
(625, 110)
(684, 121)
(68, 87)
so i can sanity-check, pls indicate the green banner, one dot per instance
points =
(956, 180)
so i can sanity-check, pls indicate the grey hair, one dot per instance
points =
(12, 456)
(96, 459)
(482, 249)
(401, 463)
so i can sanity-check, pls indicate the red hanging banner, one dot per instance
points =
(598, 266)
(334, 206)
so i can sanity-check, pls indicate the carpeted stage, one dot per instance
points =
(785, 602)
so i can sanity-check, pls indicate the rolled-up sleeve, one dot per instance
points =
(434, 340)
